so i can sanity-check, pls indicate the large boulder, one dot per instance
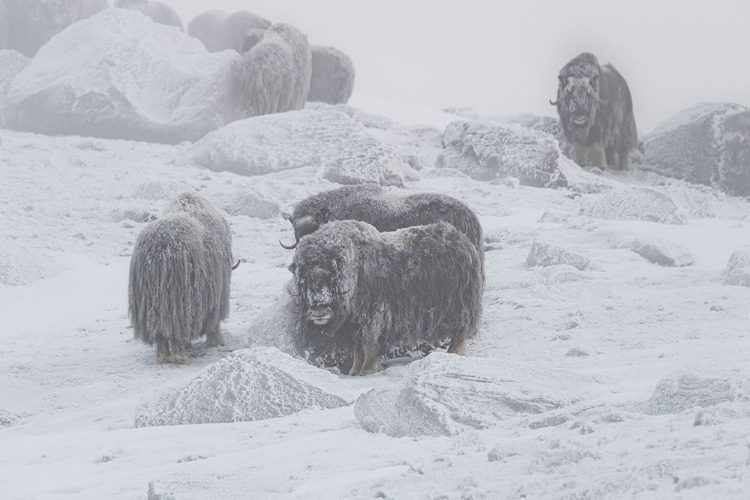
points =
(686, 390)
(737, 272)
(119, 75)
(345, 151)
(706, 144)
(662, 252)
(545, 254)
(250, 384)
(638, 203)
(11, 63)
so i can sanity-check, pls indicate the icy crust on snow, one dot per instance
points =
(11, 63)
(119, 75)
(737, 272)
(247, 385)
(637, 203)
(545, 254)
(445, 394)
(685, 390)
(21, 266)
(342, 148)
(706, 144)
(662, 252)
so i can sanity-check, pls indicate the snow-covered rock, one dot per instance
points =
(159, 190)
(11, 63)
(637, 203)
(344, 150)
(119, 75)
(6, 418)
(685, 390)
(251, 204)
(662, 252)
(444, 394)
(706, 144)
(737, 272)
(547, 254)
(278, 325)
(20, 265)
(250, 384)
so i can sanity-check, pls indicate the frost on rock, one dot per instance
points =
(119, 75)
(706, 144)
(20, 265)
(444, 395)
(11, 63)
(342, 148)
(546, 254)
(638, 203)
(685, 390)
(662, 252)
(737, 272)
(250, 384)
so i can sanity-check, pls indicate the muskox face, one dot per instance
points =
(578, 96)
(325, 298)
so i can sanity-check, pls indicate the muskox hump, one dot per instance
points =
(159, 12)
(332, 78)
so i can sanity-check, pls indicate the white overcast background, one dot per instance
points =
(503, 57)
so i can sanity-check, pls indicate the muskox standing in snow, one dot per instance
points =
(219, 31)
(275, 73)
(332, 78)
(596, 112)
(368, 292)
(159, 12)
(387, 212)
(180, 277)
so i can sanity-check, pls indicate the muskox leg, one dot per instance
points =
(371, 363)
(171, 352)
(611, 157)
(581, 155)
(214, 338)
(458, 346)
(600, 157)
(623, 160)
(359, 358)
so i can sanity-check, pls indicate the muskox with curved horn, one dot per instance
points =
(159, 12)
(387, 212)
(332, 78)
(275, 74)
(596, 112)
(180, 276)
(368, 292)
(219, 31)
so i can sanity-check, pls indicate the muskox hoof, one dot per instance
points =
(178, 358)
(458, 347)
(216, 340)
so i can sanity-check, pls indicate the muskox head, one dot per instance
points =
(578, 96)
(307, 224)
(250, 39)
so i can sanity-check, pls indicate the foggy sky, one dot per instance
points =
(503, 57)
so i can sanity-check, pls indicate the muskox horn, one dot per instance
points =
(289, 247)
(596, 96)
(236, 265)
(561, 97)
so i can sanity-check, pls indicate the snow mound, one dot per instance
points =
(344, 150)
(685, 390)
(638, 203)
(444, 394)
(706, 144)
(662, 252)
(159, 190)
(119, 75)
(722, 413)
(278, 325)
(20, 265)
(546, 254)
(737, 272)
(251, 204)
(11, 63)
(250, 384)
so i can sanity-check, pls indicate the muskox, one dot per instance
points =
(275, 74)
(596, 113)
(159, 12)
(180, 277)
(332, 78)
(27, 25)
(370, 203)
(369, 292)
(219, 31)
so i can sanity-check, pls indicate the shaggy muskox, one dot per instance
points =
(180, 277)
(27, 25)
(275, 73)
(219, 31)
(596, 112)
(368, 292)
(332, 78)
(159, 12)
(387, 212)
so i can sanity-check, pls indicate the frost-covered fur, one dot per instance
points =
(159, 12)
(26, 25)
(332, 79)
(275, 73)
(219, 31)
(387, 212)
(180, 277)
(604, 128)
(369, 291)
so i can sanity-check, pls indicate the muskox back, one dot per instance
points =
(219, 31)
(274, 75)
(180, 276)
(159, 12)
(332, 78)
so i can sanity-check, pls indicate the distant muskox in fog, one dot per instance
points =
(387, 212)
(159, 12)
(275, 74)
(596, 112)
(180, 277)
(27, 25)
(368, 292)
(332, 78)
(219, 31)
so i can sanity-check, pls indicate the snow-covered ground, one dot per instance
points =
(624, 351)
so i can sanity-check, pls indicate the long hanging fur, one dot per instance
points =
(387, 289)
(180, 278)
(274, 75)
(159, 12)
(332, 78)
(219, 31)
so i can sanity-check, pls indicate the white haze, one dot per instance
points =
(503, 57)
